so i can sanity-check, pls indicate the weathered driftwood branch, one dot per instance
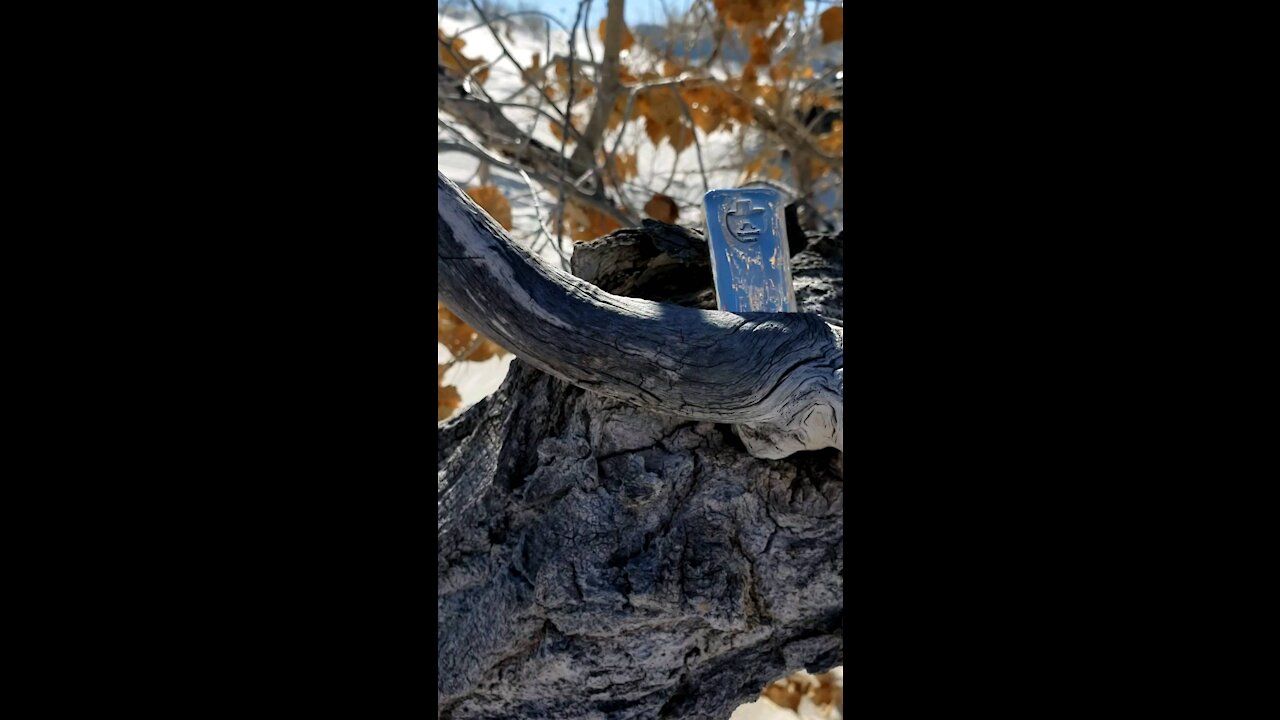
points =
(779, 377)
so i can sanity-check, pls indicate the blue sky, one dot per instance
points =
(637, 11)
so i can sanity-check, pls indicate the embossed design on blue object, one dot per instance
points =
(738, 220)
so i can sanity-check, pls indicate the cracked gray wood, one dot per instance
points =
(599, 558)
(780, 376)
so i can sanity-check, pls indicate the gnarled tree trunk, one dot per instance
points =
(601, 557)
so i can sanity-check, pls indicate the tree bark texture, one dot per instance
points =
(603, 561)
(779, 377)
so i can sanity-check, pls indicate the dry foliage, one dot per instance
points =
(583, 86)
(627, 38)
(451, 56)
(816, 697)
(663, 208)
(748, 13)
(464, 343)
(585, 224)
(447, 397)
(493, 202)
(622, 165)
(557, 128)
(832, 23)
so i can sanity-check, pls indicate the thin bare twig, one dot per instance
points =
(697, 146)
(607, 85)
(533, 193)
(520, 69)
(537, 211)
(470, 148)
(564, 136)
(510, 15)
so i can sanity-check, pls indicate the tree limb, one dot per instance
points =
(608, 85)
(499, 132)
(778, 376)
(476, 151)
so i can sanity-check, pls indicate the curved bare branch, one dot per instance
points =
(778, 376)
(510, 141)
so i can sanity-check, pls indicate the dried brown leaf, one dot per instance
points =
(493, 202)
(451, 57)
(447, 401)
(832, 23)
(627, 38)
(662, 208)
